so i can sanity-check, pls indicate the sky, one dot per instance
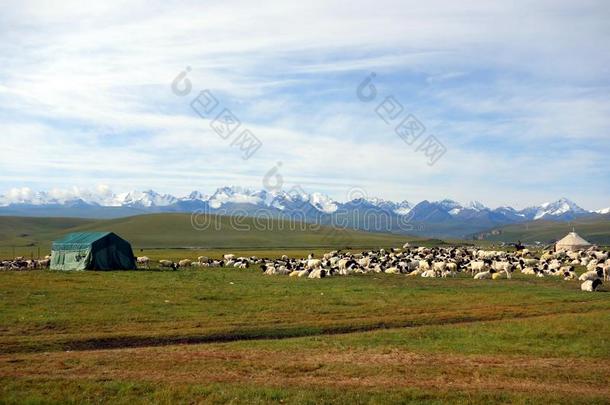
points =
(516, 92)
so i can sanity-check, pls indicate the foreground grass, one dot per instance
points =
(67, 311)
(118, 337)
(548, 359)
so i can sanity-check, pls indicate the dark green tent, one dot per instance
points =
(92, 251)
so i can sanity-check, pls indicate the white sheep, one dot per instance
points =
(484, 275)
(590, 285)
(143, 261)
(591, 275)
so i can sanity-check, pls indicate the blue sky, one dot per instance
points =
(518, 92)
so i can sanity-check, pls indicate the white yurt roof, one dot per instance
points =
(572, 239)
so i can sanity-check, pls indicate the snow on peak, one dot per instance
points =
(323, 203)
(147, 199)
(559, 207)
(403, 208)
(603, 211)
(476, 205)
(448, 204)
(235, 195)
(195, 196)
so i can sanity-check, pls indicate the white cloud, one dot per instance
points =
(84, 89)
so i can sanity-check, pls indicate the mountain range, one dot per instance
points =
(445, 218)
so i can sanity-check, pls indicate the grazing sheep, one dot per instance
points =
(591, 275)
(483, 275)
(317, 273)
(480, 266)
(313, 263)
(185, 263)
(505, 267)
(143, 261)
(168, 264)
(590, 285)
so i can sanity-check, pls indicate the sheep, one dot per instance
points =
(497, 276)
(505, 267)
(590, 285)
(450, 269)
(229, 257)
(591, 275)
(392, 270)
(529, 271)
(592, 265)
(428, 274)
(168, 264)
(439, 267)
(479, 266)
(313, 263)
(43, 264)
(484, 274)
(317, 273)
(185, 263)
(143, 261)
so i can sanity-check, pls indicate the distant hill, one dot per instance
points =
(177, 231)
(25, 231)
(594, 229)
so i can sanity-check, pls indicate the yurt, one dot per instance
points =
(572, 241)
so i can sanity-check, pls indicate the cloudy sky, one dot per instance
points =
(517, 92)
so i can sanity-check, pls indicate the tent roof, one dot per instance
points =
(573, 239)
(79, 240)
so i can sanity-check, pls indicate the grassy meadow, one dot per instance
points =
(218, 335)
(173, 236)
(228, 335)
(594, 229)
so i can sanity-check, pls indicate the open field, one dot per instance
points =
(594, 229)
(173, 236)
(238, 336)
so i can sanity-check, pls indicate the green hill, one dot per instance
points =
(594, 229)
(177, 231)
(28, 231)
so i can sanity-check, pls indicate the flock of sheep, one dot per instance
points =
(425, 262)
(421, 261)
(21, 263)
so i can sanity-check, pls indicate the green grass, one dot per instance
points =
(237, 336)
(24, 236)
(48, 310)
(596, 230)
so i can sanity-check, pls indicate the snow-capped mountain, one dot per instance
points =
(323, 203)
(562, 208)
(235, 195)
(476, 205)
(398, 208)
(146, 199)
(438, 218)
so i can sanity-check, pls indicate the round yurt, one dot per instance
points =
(572, 241)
